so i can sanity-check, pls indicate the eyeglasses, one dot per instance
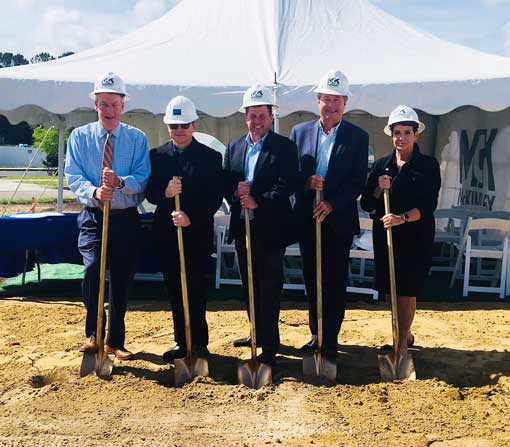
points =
(182, 126)
(105, 106)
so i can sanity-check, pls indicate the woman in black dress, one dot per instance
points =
(414, 181)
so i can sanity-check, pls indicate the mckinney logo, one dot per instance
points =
(402, 112)
(107, 82)
(177, 112)
(476, 169)
(257, 94)
(333, 82)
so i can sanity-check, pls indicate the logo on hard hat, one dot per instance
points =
(402, 112)
(177, 112)
(333, 82)
(108, 82)
(257, 94)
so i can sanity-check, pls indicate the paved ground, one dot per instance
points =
(28, 190)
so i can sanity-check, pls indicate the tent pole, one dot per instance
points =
(61, 160)
(276, 115)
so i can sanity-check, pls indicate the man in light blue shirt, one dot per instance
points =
(96, 175)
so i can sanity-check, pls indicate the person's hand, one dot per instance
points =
(315, 182)
(104, 193)
(322, 210)
(174, 187)
(110, 178)
(392, 220)
(243, 189)
(248, 202)
(180, 219)
(384, 182)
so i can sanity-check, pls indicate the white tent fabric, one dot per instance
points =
(211, 50)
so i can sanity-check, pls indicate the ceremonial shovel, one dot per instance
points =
(394, 366)
(316, 365)
(191, 365)
(100, 362)
(252, 373)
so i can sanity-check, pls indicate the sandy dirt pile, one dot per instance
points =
(462, 397)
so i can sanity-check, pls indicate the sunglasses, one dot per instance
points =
(182, 126)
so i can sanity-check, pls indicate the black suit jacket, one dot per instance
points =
(345, 177)
(273, 184)
(202, 189)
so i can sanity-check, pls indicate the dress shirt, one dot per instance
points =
(324, 147)
(252, 155)
(130, 162)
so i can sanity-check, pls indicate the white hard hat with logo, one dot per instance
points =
(180, 110)
(403, 114)
(334, 82)
(257, 95)
(109, 82)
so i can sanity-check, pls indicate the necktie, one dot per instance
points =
(107, 157)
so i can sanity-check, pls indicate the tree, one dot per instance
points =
(50, 144)
(65, 54)
(6, 59)
(14, 134)
(41, 57)
(19, 59)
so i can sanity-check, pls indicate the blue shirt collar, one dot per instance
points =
(103, 131)
(260, 142)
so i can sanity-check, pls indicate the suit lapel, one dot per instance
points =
(314, 139)
(338, 148)
(240, 158)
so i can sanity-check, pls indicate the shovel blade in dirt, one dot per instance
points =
(187, 368)
(402, 369)
(317, 366)
(254, 374)
(93, 363)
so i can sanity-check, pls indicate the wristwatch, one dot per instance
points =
(405, 216)
(121, 183)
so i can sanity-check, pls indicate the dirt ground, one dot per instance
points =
(461, 397)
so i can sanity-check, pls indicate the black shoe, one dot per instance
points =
(242, 342)
(177, 352)
(311, 346)
(330, 355)
(267, 357)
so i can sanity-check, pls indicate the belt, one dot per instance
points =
(113, 212)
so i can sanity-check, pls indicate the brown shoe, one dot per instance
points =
(90, 346)
(120, 353)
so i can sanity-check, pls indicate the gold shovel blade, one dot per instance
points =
(318, 366)
(402, 369)
(188, 368)
(254, 374)
(93, 363)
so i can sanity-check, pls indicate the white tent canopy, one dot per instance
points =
(211, 50)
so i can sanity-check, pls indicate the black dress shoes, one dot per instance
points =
(311, 346)
(244, 342)
(177, 352)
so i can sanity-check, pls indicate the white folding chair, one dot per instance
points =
(450, 226)
(224, 251)
(293, 268)
(362, 255)
(488, 239)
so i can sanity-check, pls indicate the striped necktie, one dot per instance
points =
(107, 158)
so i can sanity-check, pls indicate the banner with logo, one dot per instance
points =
(473, 148)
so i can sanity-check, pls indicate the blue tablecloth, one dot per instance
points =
(54, 240)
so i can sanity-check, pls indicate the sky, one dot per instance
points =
(32, 26)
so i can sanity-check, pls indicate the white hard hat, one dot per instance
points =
(402, 114)
(257, 95)
(109, 83)
(180, 110)
(334, 82)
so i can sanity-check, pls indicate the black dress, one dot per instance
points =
(415, 186)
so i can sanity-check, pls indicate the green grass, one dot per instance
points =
(37, 180)
(42, 200)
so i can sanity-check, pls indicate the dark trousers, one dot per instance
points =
(196, 257)
(335, 262)
(267, 283)
(123, 248)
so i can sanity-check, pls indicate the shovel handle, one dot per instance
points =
(251, 292)
(102, 280)
(318, 256)
(184, 281)
(393, 286)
